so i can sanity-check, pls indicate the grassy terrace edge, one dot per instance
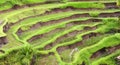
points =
(25, 51)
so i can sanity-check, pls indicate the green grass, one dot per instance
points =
(18, 51)
(108, 58)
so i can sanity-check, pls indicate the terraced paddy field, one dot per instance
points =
(59, 32)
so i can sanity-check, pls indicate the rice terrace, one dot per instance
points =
(59, 32)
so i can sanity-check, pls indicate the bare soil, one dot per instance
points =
(105, 51)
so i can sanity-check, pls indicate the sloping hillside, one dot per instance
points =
(59, 32)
